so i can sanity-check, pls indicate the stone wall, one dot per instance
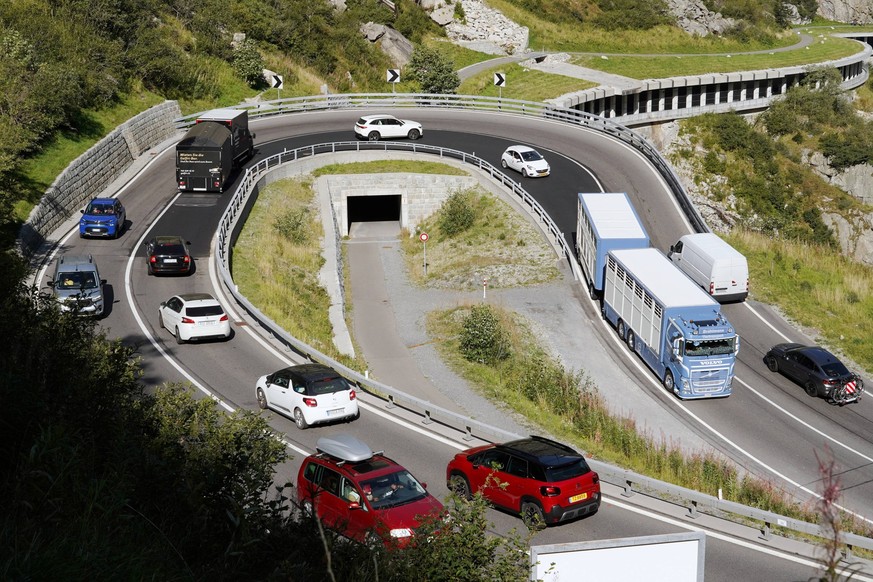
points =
(92, 172)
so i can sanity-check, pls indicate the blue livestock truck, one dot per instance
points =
(676, 328)
(605, 221)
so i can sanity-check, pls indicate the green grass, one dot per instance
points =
(39, 171)
(281, 277)
(390, 167)
(460, 56)
(816, 287)
(523, 83)
(656, 67)
(500, 245)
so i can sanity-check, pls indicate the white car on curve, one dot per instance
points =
(526, 160)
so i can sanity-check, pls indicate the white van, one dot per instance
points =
(713, 264)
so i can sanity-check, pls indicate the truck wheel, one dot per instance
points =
(373, 136)
(810, 389)
(772, 364)
(622, 330)
(591, 292)
(631, 341)
(414, 134)
(669, 383)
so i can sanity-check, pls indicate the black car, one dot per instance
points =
(168, 254)
(819, 372)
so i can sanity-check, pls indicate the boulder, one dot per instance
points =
(373, 31)
(397, 47)
(443, 15)
(852, 11)
(432, 4)
(694, 17)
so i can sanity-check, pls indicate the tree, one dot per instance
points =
(833, 566)
(248, 63)
(434, 72)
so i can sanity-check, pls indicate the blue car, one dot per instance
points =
(103, 217)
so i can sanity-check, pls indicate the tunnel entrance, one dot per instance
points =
(373, 209)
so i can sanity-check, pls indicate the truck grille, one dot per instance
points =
(703, 381)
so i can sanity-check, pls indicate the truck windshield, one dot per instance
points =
(718, 347)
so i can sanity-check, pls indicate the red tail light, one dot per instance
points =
(186, 259)
(310, 402)
(711, 288)
(223, 317)
(187, 320)
(595, 479)
(352, 395)
(153, 259)
(550, 491)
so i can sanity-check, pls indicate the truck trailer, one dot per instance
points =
(713, 264)
(604, 222)
(218, 142)
(676, 328)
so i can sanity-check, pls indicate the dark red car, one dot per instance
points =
(544, 481)
(362, 494)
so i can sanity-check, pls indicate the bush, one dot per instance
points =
(248, 63)
(294, 225)
(457, 214)
(483, 338)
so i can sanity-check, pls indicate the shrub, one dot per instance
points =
(248, 63)
(457, 213)
(483, 337)
(293, 225)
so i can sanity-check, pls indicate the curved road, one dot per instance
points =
(768, 426)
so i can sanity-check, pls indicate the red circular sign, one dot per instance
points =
(423, 237)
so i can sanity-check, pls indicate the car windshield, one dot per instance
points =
(204, 311)
(95, 208)
(568, 471)
(835, 369)
(328, 385)
(720, 347)
(170, 249)
(393, 489)
(76, 280)
(531, 156)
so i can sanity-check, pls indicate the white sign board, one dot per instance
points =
(661, 558)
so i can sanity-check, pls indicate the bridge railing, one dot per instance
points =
(631, 482)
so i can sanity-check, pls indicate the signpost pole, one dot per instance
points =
(423, 238)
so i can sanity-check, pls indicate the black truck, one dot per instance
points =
(217, 143)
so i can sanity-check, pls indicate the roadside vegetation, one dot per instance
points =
(522, 83)
(477, 236)
(495, 350)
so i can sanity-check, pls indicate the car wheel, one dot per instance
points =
(772, 364)
(811, 389)
(460, 486)
(160, 320)
(622, 330)
(524, 172)
(179, 339)
(591, 292)
(262, 399)
(414, 134)
(299, 419)
(669, 383)
(503, 163)
(631, 341)
(373, 136)
(532, 515)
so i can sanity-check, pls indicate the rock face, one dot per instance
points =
(693, 17)
(487, 30)
(854, 11)
(395, 45)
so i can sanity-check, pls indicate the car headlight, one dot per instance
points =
(401, 532)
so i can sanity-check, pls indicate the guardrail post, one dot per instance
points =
(848, 552)
(391, 403)
(628, 489)
(468, 436)
(765, 531)
(692, 510)
(427, 418)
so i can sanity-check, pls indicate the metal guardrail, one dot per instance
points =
(630, 481)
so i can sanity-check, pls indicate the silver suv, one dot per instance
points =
(77, 286)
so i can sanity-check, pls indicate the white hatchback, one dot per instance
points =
(526, 160)
(308, 393)
(376, 127)
(194, 316)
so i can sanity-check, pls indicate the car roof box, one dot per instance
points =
(344, 447)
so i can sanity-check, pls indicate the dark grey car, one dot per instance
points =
(819, 372)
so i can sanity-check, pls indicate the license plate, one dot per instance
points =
(96, 229)
(171, 260)
(207, 323)
(578, 498)
(335, 412)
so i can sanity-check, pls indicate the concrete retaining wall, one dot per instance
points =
(92, 172)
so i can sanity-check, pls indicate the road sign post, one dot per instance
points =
(276, 83)
(500, 81)
(423, 238)
(393, 77)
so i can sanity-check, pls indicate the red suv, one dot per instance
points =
(544, 481)
(362, 494)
